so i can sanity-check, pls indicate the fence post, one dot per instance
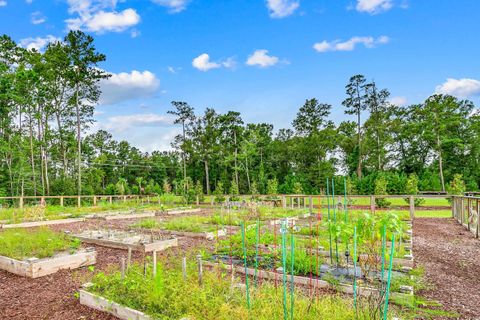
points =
(79, 201)
(124, 199)
(454, 207)
(412, 207)
(198, 200)
(462, 210)
(310, 203)
(372, 203)
(61, 201)
(94, 200)
(469, 212)
(111, 200)
(20, 204)
(478, 219)
(284, 202)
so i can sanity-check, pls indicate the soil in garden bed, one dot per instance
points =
(451, 257)
(53, 297)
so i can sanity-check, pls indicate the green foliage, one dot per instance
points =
(272, 186)
(219, 193)
(40, 243)
(199, 191)
(234, 192)
(457, 185)
(411, 187)
(381, 189)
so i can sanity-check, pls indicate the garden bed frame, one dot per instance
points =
(201, 235)
(182, 211)
(97, 302)
(40, 223)
(116, 243)
(35, 268)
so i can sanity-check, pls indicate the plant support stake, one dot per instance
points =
(257, 240)
(242, 226)
(283, 231)
(392, 251)
(355, 268)
(292, 282)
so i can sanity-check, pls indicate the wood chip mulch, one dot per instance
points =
(450, 255)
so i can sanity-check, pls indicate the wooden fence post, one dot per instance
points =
(20, 204)
(454, 207)
(94, 200)
(79, 201)
(478, 219)
(198, 200)
(284, 202)
(469, 212)
(310, 203)
(372, 203)
(61, 201)
(412, 207)
(111, 200)
(462, 210)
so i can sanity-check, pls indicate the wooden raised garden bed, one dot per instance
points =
(34, 267)
(125, 240)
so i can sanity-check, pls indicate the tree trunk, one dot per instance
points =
(62, 145)
(183, 158)
(440, 162)
(32, 159)
(47, 181)
(207, 178)
(235, 156)
(79, 147)
(248, 174)
(359, 166)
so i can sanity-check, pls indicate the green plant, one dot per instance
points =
(219, 193)
(411, 187)
(381, 189)
(40, 243)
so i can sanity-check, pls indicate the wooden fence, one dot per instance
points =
(466, 210)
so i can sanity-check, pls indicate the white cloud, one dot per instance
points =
(3, 3)
(125, 122)
(100, 16)
(38, 43)
(461, 88)
(374, 6)
(174, 6)
(38, 18)
(29, 1)
(203, 63)
(262, 59)
(282, 8)
(349, 45)
(398, 101)
(128, 86)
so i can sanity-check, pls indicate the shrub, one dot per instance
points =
(218, 193)
(234, 191)
(411, 187)
(381, 189)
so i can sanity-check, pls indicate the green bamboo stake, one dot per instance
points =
(257, 240)
(384, 244)
(292, 283)
(335, 218)
(385, 309)
(283, 230)
(345, 199)
(355, 268)
(329, 229)
(245, 263)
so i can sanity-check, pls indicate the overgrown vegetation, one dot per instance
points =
(40, 243)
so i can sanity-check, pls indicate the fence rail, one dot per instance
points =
(466, 210)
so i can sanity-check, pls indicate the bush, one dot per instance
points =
(381, 189)
(234, 191)
(218, 193)
(457, 185)
(272, 186)
(411, 187)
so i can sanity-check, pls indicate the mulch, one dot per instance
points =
(450, 255)
(53, 297)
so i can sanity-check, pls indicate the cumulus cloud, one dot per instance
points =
(3, 3)
(373, 6)
(125, 122)
(100, 16)
(128, 86)
(261, 59)
(282, 8)
(38, 43)
(462, 88)
(398, 101)
(203, 63)
(349, 45)
(174, 6)
(38, 18)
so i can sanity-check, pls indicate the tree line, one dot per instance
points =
(47, 102)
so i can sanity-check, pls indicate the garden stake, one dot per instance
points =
(384, 244)
(355, 268)
(292, 283)
(385, 310)
(257, 240)
(184, 268)
(129, 257)
(335, 218)
(283, 231)
(345, 207)
(154, 254)
(200, 269)
(242, 226)
(329, 230)
(122, 267)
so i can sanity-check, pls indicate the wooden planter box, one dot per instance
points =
(41, 223)
(200, 235)
(117, 243)
(34, 267)
(99, 303)
(175, 211)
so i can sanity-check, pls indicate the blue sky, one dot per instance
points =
(260, 57)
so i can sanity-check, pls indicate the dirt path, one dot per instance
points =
(451, 257)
